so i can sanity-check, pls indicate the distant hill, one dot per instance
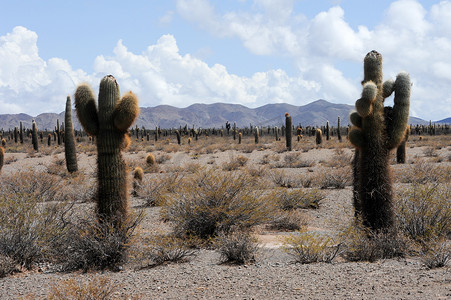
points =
(215, 115)
(444, 121)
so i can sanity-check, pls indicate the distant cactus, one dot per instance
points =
(34, 135)
(327, 131)
(189, 141)
(109, 123)
(239, 137)
(234, 131)
(377, 130)
(179, 140)
(318, 136)
(256, 135)
(150, 159)
(16, 135)
(339, 129)
(49, 140)
(58, 131)
(21, 133)
(3, 142)
(276, 131)
(288, 131)
(2, 157)
(401, 150)
(69, 139)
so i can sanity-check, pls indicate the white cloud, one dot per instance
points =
(409, 37)
(27, 82)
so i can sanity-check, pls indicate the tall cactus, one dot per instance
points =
(2, 157)
(109, 124)
(69, 139)
(377, 130)
(256, 135)
(339, 129)
(21, 132)
(288, 131)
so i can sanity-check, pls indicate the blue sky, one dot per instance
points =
(180, 52)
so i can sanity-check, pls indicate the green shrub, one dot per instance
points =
(210, 202)
(309, 247)
(424, 211)
(362, 244)
(289, 199)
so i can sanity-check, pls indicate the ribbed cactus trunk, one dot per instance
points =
(34, 135)
(69, 139)
(377, 130)
(21, 133)
(327, 131)
(339, 129)
(288, 131)
(2, 157)
(109, 123)
(401, 150)
(318, 136)
(256, 135)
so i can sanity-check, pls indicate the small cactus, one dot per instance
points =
(239, 137)
(69, 139)
(138, 175)
(179, 140)
(377, 130)
(150, 159)
(109, 124)
(3, 142)
(318, 136)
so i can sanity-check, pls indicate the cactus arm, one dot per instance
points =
(126, 112)
(356, 119)
(388, 88)
(356, 137)
(400, 109)
(85, 106)
(364, 105)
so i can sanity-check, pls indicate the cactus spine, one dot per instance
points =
(109, 124)
(34, 135)
(377, 130)
(288, 133)
(69, 139)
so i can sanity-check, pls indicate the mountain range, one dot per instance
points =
(216, 115)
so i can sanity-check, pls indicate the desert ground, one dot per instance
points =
(274, 272)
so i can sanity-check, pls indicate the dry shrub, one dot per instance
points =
(430, 152)
(235, 163)
(293, 160)
(43, 186)
(162, 158)
(155, 190)
(210, 202)
(424, 211)
(256, 171)
(339, 160)
(423, 172)
(91, 244)
(362, 244)
(437, 254)
(29, 230)
(159, 249)
(287, 221)
(337, 178)
(236, 247)
(286, 199)
(309, 247)
(7, 265)
(101, 287)
(280, 178)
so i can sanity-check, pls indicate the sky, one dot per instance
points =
(249, 52)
